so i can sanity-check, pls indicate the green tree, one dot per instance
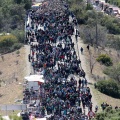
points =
(27, 4)
(18, 1)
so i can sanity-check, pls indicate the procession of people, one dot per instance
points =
(52, 54)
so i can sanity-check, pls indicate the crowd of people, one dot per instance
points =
(52, 54)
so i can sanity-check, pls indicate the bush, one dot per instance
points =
(20, 34)
(108, 114)
(17, 46)
(89, 7)
(9, 43)
(7, 40)
(18, 52)
(100, 116)
(108, 109)
(109, 87)
(104, 59)
(15, 117)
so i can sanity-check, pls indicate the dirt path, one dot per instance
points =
(28, 64)
(85, 66)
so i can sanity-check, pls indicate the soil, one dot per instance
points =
(13, 67)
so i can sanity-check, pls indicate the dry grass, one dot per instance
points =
(12, 75)
(99, 75)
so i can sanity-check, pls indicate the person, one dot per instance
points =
(88, 47)
(79, 82)
(96, 108)
(29, 57)
(81, 49)
(86, 82)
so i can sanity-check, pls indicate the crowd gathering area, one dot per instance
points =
(63, 93)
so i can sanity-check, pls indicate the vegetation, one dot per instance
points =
(12, 14)
(9, 43)
(113, 42)
(108, 114)
(114, 2)
(15, 117)
(94, 26)
(1, 118)
(104, 59)
(12, 17)
(109, 87)
(20, 34)
(7, 40)
(113, 72)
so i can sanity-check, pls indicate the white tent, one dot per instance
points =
(34, 78)
(34, 81)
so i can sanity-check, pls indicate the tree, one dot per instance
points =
(18, 1)
(1, 20)
(28, 4)
(92, 61)
(11, 15)
(89, 35)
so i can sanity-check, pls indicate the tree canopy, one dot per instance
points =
(12, 14)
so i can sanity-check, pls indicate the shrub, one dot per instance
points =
(15, 117)
(19, 34)
(108, 109)
(100, 116)
(89, 7)
(104, 59)
(7, 40)
(108, 115)
(18, 52)
(17, 46)
(109, 87)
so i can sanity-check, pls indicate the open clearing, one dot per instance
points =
(13, 69)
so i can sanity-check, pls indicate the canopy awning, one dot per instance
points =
(35, 78)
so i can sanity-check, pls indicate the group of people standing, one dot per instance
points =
(53, 55)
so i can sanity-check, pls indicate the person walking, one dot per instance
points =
(88, 47)
(29, 57)
(81, 49)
